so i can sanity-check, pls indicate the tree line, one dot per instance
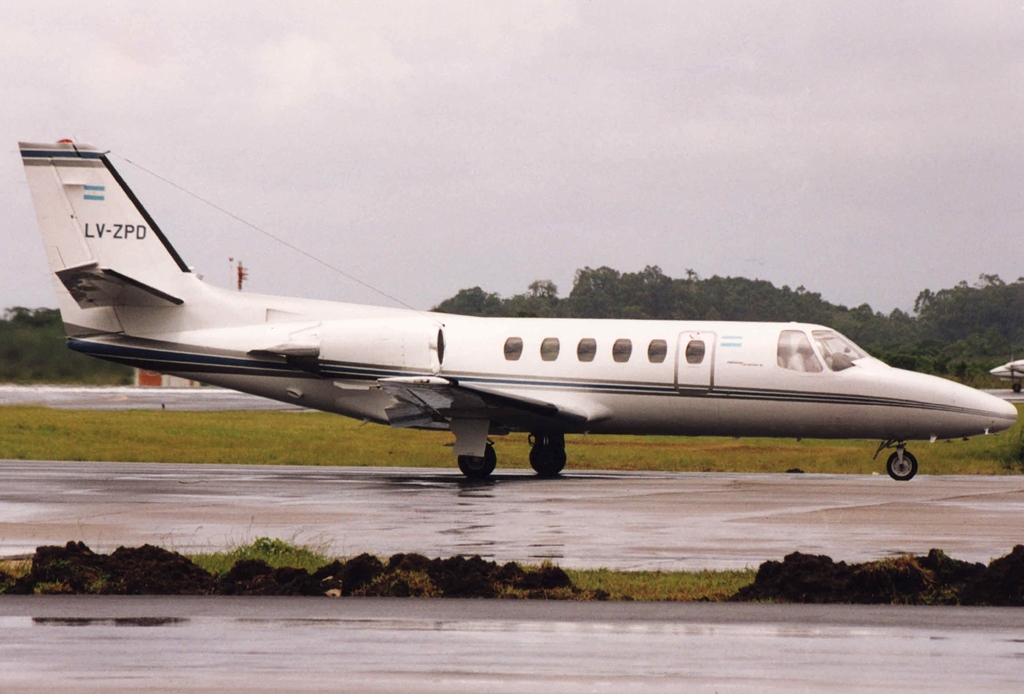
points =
(960, 332)
(33, 350)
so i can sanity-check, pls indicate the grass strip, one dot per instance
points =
(674, 586)
(316, 438)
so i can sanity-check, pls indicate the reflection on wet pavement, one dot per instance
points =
(447, 646)
(107, 621)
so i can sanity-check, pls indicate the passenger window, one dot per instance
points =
(621, 350)
(549, 349)
(586, 350)
(795, 352)
(695, 350)
(657, 351)
(513, 348)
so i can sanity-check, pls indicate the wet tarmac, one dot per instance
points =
(623, 520)
(349, 645)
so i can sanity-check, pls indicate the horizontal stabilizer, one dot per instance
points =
(92, 286)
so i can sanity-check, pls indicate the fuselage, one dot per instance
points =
(620, 376)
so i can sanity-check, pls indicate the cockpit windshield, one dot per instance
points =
(838, 351)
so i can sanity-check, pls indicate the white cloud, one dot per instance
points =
(297, 70)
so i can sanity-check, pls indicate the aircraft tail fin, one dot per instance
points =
(103, 247)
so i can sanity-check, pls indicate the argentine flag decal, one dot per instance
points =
(94, 192)
(732, 341)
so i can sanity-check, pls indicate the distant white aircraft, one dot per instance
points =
(1012, 371)
(126, 296)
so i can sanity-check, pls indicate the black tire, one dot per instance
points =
(479, 467)
(547, 460)
(1016, 387)
(906, 471)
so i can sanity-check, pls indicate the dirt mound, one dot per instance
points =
(458, 577)
(462, 577)
(146, 570)
(545, 578)
(897, 581)
(949, 570)
(256, 577)
(932, 580)
(150, 570)
(408, 562)
(6, 581)
(1001, 584)
(358, 572)
(73, 568)
(401, 584)
(797, 578)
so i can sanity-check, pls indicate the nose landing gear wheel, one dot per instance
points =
(901, 470)
(479, 467)
(1016, 387)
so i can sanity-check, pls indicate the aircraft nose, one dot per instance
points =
(955, 409)
(1002, 413)
(1007, 409)
(980, 412)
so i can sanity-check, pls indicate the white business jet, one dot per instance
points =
(1012, 371)
(126, 296)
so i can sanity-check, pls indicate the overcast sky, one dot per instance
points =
(866, 150)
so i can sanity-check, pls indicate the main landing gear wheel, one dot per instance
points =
(901, 470)
(547, 454)
(1016, 387)
(479, 467)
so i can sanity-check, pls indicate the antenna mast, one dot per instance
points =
(241, 272)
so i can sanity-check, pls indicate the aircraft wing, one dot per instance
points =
(90, 285)
(432, 402)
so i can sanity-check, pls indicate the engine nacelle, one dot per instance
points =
(402, 344)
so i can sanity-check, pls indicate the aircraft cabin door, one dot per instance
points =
(695, 361)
